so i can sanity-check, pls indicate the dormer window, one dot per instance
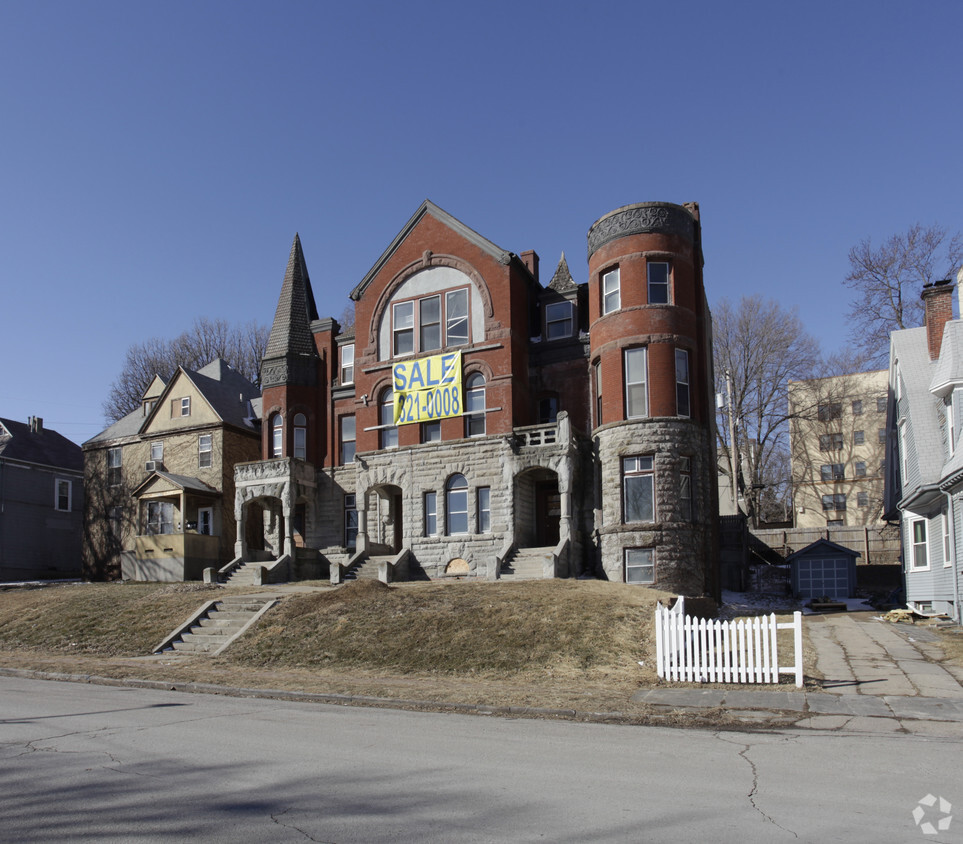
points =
(347, 363)
(559, 320)
(430, 323)
(149, 406)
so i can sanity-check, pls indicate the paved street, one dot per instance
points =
(125, 764)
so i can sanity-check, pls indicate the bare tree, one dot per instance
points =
(888, 279)
(242, 346)
(758, 348)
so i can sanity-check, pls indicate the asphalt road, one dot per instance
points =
(95, 763)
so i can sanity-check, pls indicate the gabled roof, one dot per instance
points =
(291, 330)
(949, 366)
(184, 482)
(46, 448)
(428, 207)
(822, 545)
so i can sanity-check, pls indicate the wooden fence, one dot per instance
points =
(695, 650)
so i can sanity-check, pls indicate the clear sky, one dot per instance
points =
(157, 158)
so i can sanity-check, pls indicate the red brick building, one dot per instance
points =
(475, 422)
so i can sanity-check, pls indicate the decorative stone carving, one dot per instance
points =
(276, 372)
(659, 217)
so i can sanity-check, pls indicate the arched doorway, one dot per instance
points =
(538, 508)
(388, 536)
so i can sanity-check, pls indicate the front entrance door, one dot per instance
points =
(548, 512)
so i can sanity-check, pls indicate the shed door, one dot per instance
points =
(829, 576)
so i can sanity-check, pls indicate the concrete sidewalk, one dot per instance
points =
(878, 677)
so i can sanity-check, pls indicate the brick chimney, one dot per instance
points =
(938, 301)
(530, 260)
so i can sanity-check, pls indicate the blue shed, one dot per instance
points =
(823, 568)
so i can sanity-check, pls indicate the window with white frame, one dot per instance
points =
(559, 320)
(860, 467)
(658, 273)
(63, 490)
(350, 521)
(484, 507)
(830, 410)
(347, 363)
(431, 514)
(115, 469)
(160, 517)
(682, 383)
(300, 436)
(835, 501)
(388, 435)
(456, 505)
(685, 488)
(611, 291)
(417, 324)
(920, 557)
(638, 489)
(475, 405)
(830, 442)
(157, 451)
(205, 521)
(636, 390)
(946, 539)
(639, 565)
(181, 407)
(205, 448)
(348, 439)
(277, 436)
(431, 431)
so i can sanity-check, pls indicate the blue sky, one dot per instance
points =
(158, 158)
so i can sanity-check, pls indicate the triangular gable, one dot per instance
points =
(154, 389)
(822, 545)
(160, 419)
(165, 483)
(428, 207)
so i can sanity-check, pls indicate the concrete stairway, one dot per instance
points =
(526, 564)
(243, 575)
(216, 625)
(367, 569)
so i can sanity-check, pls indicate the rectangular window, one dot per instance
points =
(559, 321)
(348, 439)
(431, 514)
(157, 451)
(836, 502)
(881, 435)
(429, 321)
(636, 394)
(639, 565)
(611, 294)
(685, 488)
(63, 495)
(350, 521)
(862, 499)
(830, 442)
(638, 489)
(830, 410)
(431, 432)
(597, 369)
(658, 283)
(204, 449)
(180, 407)
(484, 509)
(920, 559)
(205, 521)
(881, 404)
(115, 470)
(347, 363)
(859, 437)
(682, 382)
(857, 407)
(832, 472)
(946, 539)
(456, 317)
(160, 517)
(403, 326)
(860, 469)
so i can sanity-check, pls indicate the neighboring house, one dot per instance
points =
(925, 477)
(477, 423)
(41, 502)
(837, 447)
(160, 481)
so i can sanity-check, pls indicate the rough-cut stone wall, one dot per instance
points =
(680, 546)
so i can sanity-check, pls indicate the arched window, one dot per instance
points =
(277, 436)
(389, 433)
(475, 405)
(456, 505)
(300, 436)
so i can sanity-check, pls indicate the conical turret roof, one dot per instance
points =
(291, 331)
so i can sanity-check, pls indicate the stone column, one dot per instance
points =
(240, 519)
(361, 503)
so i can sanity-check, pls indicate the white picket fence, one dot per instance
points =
(745, 651)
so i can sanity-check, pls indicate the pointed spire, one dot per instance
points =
(291, 331)
(562, 280)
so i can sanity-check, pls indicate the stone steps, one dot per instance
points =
(216, 627)
(526, 564)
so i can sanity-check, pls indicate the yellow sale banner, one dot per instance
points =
(427, 389)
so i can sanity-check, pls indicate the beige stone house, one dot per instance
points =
(159, 483)
(838, 448)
